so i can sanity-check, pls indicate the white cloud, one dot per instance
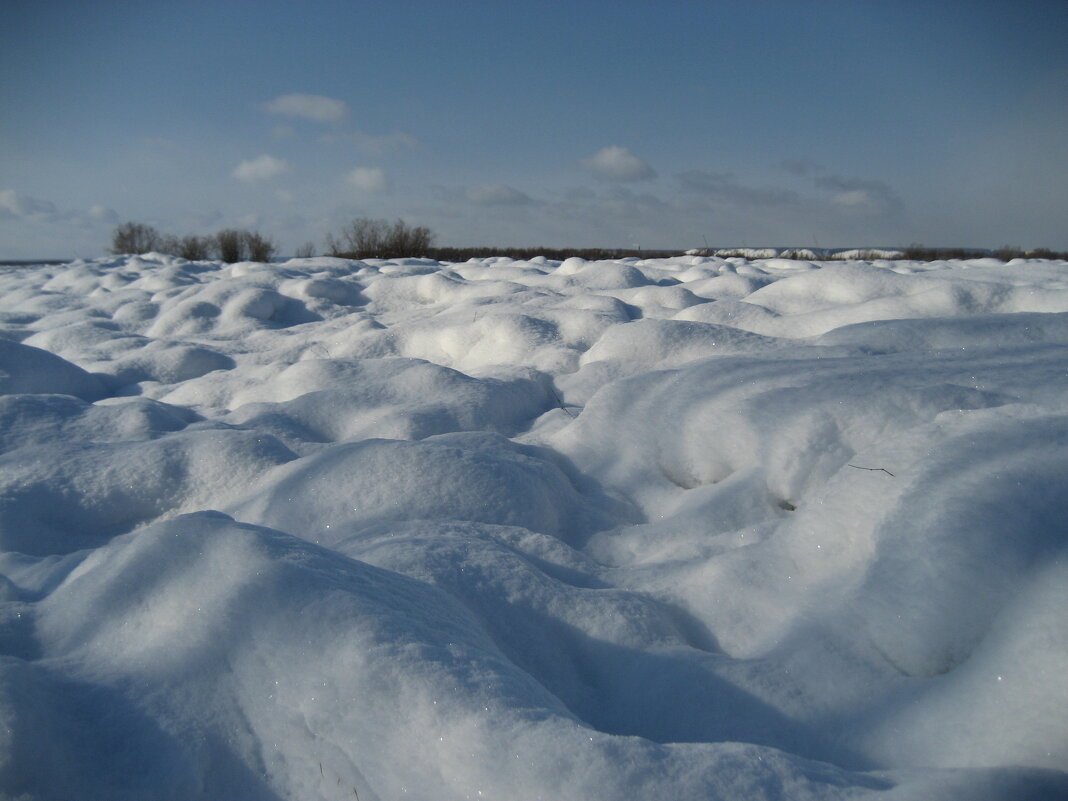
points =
(310, 107)
(723, 187)
(368, 179)
(261, 168)
(373, 144)
(103, 214)
(615, 163)
(856, 198)
(861, 194)
(15, 205)
(497, 195)
(849, 193)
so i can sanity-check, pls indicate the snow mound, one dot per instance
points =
(654, 344)
(327, 647)
(334, 400)
(477, 477)
(29, 370)
(66, 496)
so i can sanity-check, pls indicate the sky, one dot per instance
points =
(559, 124)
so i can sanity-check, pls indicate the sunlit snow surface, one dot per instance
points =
(685, 528)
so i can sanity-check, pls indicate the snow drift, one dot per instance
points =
(687, 528)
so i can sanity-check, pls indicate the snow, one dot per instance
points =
(705, 527)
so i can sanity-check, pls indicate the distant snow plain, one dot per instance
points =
(682, 528)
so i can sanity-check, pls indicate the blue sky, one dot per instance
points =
(660, 124)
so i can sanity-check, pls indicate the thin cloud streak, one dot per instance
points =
(497, 195)
(616, 163)
(368, 179)
(17, 206)
(725, 188)
(261, 168)
(316, 108)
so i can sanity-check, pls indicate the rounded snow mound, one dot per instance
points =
(26, 369)
(336, 674)
(476, 477)
(334, 400)
(66, 496)
(669, 343)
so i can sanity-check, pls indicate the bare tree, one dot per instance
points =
(235, 244)
(366, 238)
(419, 241)
(334, 246)
(132, 237)
(257, 247)
(195, 248)
(169, 244)
(405, 240)
(229, 245)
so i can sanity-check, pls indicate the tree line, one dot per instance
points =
(367, 238)
(363, 238)
(229, 245)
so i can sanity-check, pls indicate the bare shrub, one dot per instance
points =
(305, 251)
(366, 238)
(257, 247)
(405, 240)
(133, 238)
(235, 244)
(363, 238)
(195, 248)
(169, 244)
(229, 244)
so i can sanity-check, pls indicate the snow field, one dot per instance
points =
(688, 528)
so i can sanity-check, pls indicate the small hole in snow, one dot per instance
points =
(784, 504)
